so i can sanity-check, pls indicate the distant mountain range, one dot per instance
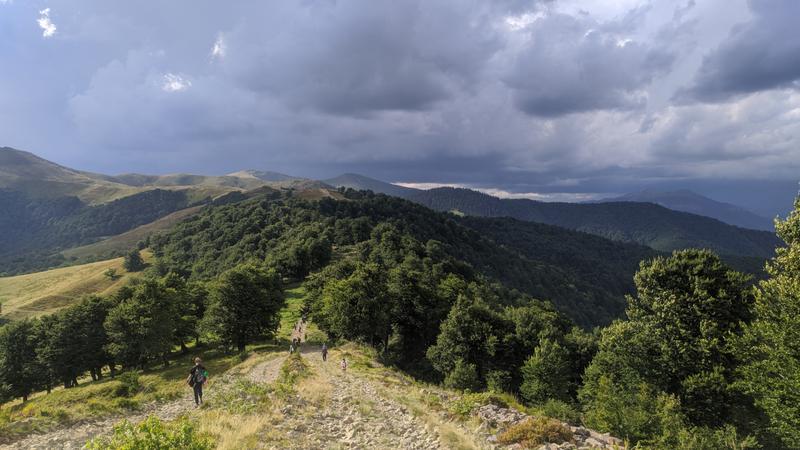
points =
(56, 208)
(645, 223)
(362, 183)
(692, 202)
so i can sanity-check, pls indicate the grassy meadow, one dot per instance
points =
(40, 293)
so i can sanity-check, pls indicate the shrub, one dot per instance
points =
(133, 261)
(111, 274)
(152, 434)
(633, 412)
(499, 381)
(128, 384)
(464, 376)
(467, 403)
(546, 374)
(704, 438)
(535, 431)
(560, 410)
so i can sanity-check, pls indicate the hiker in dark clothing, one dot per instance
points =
(197, 378)
(325, 352)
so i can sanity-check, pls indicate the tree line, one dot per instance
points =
(138, 326)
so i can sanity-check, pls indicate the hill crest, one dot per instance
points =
(689, 201)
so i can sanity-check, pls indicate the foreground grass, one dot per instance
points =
(41, 293)
(102, 398)
(247, 413)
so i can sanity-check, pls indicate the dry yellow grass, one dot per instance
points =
(41, 293)
(234, 431)
(316, 390)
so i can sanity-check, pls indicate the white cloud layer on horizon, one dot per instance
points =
(501, 193)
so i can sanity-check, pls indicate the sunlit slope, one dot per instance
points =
(40, 293)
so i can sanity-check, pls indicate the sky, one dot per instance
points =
(547, 99)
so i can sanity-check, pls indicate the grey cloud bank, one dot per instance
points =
(550, 97)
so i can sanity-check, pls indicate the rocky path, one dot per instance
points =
(348, 411)
(344, 411)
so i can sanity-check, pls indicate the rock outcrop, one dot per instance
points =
(496, 419)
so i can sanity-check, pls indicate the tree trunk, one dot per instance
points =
(75, 382)
(24, 398)
(184, 349)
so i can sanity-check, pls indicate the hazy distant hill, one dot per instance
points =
(48, 208)
(692, 202)
(36, 177)
(644, 223)
(261, 175)
(362, 183)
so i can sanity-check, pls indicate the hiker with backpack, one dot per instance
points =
(198, 376)
(325, 351)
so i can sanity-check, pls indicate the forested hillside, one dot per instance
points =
(34, 230)
(647, 224)
(595, 260)
(304, 236)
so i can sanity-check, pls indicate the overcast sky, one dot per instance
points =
(566, 99)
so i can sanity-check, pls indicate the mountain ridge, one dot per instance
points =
(644, 223)
(686, 200)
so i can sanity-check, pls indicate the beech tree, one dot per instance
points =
(771, 343)
(676, 340)
(141, 327)
(244, 305)
(20, 372)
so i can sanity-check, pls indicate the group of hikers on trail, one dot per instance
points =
(198, 375)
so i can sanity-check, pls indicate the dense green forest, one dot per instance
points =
(302, 236)
(700, 358)
(34, 230)
(644, 223)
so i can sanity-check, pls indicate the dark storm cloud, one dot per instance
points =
(569, 96)
(360, 57)
(572, 64)
(760, 54)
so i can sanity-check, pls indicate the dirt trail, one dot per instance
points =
(353, 412)
(332, 410)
